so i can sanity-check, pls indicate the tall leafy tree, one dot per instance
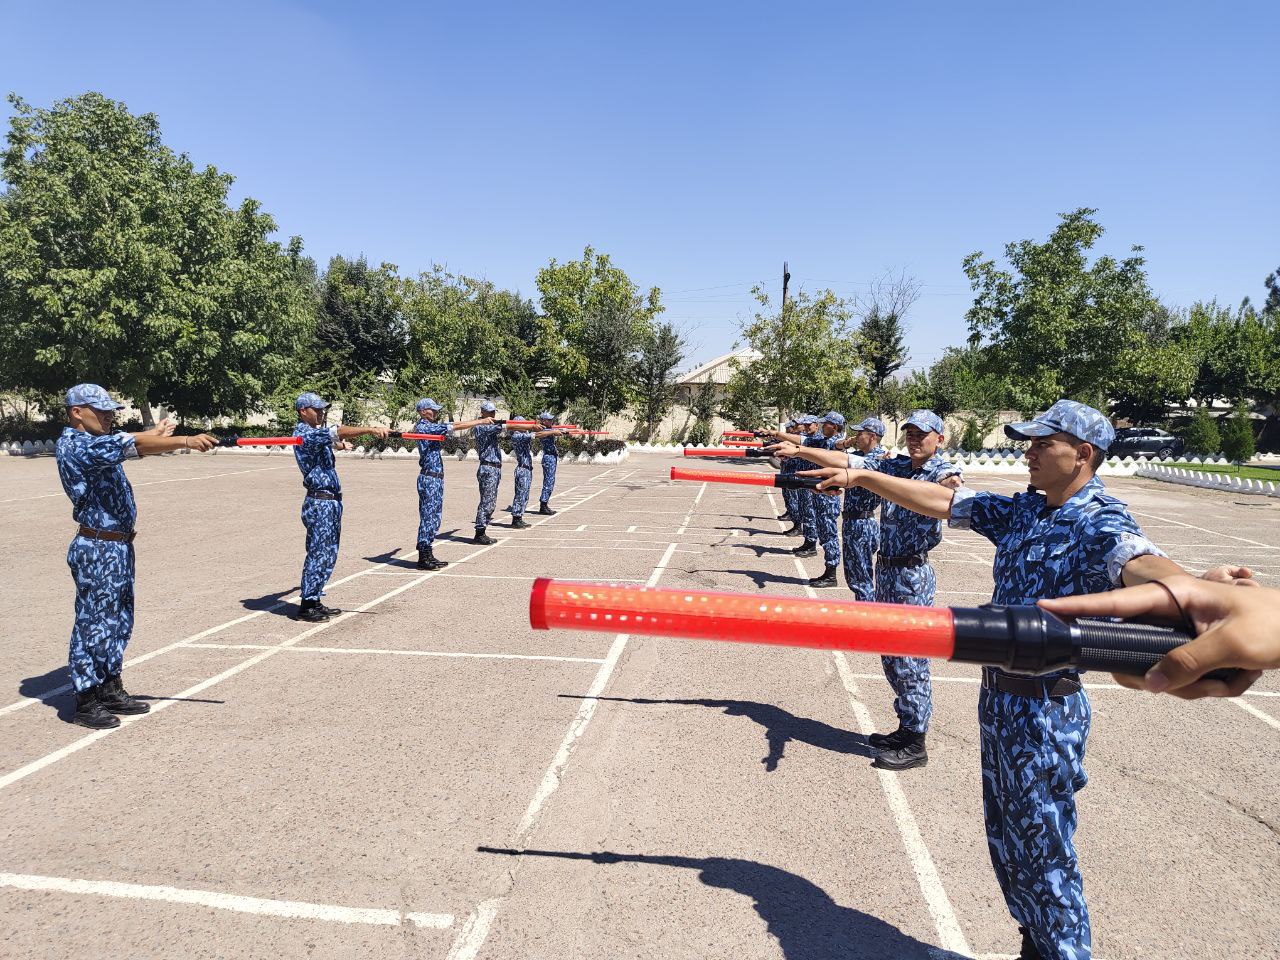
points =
(660, 356)
(595, 323)
(881, 348)
(1058, 325)
(122, 263)
(1159, 371)
(808, 356)
(361, 331)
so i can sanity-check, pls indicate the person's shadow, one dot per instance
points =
(806, 922)
(780, 727)
(391, 559)
(39, 688)
(762, 579)
(759, 550)
(271, 603)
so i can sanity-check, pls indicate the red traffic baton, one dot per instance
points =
(1022, 639)
(784, 481)
(260, 442)
(737, 433)
(713, 452)
(418, 436)
(743, 443)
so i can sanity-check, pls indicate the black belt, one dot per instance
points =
(119, 536)
(324, 495)
(913, 560)
(1032, 688)
(432, 473)
(861, 514)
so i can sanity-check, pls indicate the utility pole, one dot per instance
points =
(786, 281)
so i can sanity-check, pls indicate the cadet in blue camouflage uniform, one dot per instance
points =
(1064, 536)
(488, 473)
(550, 460)
(808, 519)
(322, 505)
(522, 439)
(794, 432)
(90, 458)
(904, 575)
(826, 510)
(860, 533)
(431, 478)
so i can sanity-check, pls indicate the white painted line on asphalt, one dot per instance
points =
(1087, 686)
(476, 927)
(950, 934)
(151, 483)
(1254, 711)
(290, 909)
(1192, 526)
(454, 654)
(692, 507)
(76, 745)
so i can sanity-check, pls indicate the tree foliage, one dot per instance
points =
(661, 354)
(1237, 435)
(1057, 325)
(1201, 434)
(121, 263)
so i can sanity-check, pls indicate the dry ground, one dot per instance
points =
(347, 790)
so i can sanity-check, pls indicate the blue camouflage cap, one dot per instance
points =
(91, 395)
(874, 424)
(426, 403)
(488, 407)
(1067, 416)
(926, 420)
(833, 417)
(546, 415)
(310, 399)
(806, 419)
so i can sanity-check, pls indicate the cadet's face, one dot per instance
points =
(1054, 460)
(865, 440)
(922, 444)
(830, 429)
(431, 416)
(95, 421)
(313, 417)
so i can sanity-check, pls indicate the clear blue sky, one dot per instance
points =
(701, 144)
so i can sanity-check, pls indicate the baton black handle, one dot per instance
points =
(789, 481)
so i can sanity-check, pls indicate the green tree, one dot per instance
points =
(595, 323)
(1237, 435)
(808, 356)
(1160, 371)
(361, 331)
(121, 263)
(660, 356)
(1201, 434)
(744, 404)
(702, 408)
(1058, 326)
(1234, 352)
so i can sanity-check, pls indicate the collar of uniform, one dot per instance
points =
(1077, 500)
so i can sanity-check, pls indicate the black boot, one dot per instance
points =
(795, 531)
(89, 712)
(889, 741)
(427, 560)
(114, 698)
(517, 522)
(910, 754)
(546, 511)
(327, 610)
(482, 539)
(807, 549)
(827, 579)
(1029, 950)
(309, 612)
(786, 515)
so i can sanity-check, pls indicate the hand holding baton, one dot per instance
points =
(1020, 639)
(260, 441)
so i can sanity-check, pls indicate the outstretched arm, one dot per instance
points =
(925, 497)
(347, 433)
(818, 455)
(149, 442)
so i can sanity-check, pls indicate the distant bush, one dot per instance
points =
(1237, 436)
(1201, 434)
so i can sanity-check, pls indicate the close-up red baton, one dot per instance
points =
(260, 442)
(1022, 639)
(784, 481)
(725, 452)
(743, 443)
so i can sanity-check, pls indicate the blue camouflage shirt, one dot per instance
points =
(430, 452)
(903, 532)
(549, 448)
(1044, 552)
(860, 499)
(487, 447)
(315, 458)
(92, 475)
(522, 446)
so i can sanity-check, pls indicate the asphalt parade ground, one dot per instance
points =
(364, 787)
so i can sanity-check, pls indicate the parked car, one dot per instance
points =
(1146, 442)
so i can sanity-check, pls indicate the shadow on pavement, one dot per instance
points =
(807, 923)
(36, 687)
(391, 560)
(780, 726)
(761, 578)
(267, 601)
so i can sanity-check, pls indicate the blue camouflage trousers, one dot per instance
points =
(860, 540)
(103, 572)
(789, 498)
(826, 512)
(1032, 767)
(488, 477)
(549, 464)
(430, 507)
(323, 520)
(808, 518)
(909, 676)
(524, 481)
